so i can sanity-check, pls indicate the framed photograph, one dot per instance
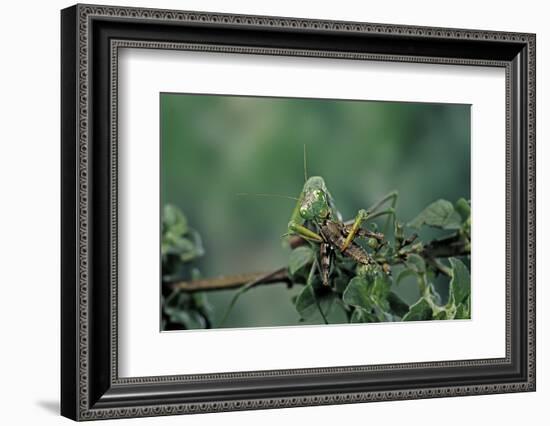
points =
(263, 212)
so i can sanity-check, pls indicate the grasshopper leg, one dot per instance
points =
(371, 213)
(325, 254)
(362, 216)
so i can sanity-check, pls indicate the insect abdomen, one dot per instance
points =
(358, 254)
(331, 231)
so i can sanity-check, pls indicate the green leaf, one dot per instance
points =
(380, 291)
(357, 293)
(186, 248)
(462, 312)
(463, 209)
(201, 302)
(191, 311)
(439, 214)
(416, 263)
(305, 302)
(399, 232)
(420, 311)
(340, 283)
(370, 295)
(173, 220)
(397, 305)
(357, 316)
(433, 294)
(300, 257)
(197, 240)
(460, 282)
(179, 245)
(404, 274)
(191, 319)
(360, 315)
(441, 315)
(308, 303)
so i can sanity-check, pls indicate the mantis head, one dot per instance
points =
(314, 203)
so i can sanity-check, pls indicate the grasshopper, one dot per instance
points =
(316, 219)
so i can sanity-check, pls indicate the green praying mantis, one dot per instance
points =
(315, 219)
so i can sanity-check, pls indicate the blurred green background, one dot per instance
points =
(214, 147)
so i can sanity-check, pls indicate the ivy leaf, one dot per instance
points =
(420, 311)
(300, 257)
(357, 293)
(460, 282)
(439, 214)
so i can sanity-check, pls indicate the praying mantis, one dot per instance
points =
(315, 219)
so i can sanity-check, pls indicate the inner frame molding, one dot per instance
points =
(122, 47)
(91, 37)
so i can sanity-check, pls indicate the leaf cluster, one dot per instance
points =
(368, 293)
(181, 248)
(359, 293)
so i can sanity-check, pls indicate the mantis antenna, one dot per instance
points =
(266, 195)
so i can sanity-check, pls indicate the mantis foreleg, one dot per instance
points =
(391, 196)
(296, 224)
(390, 212)
(304, 232)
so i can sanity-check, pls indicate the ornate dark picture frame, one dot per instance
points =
(90, 385)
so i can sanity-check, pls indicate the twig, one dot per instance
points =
(438, 266)
(445, 247)
(245, 288)
(229, 282)
(442, 248)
